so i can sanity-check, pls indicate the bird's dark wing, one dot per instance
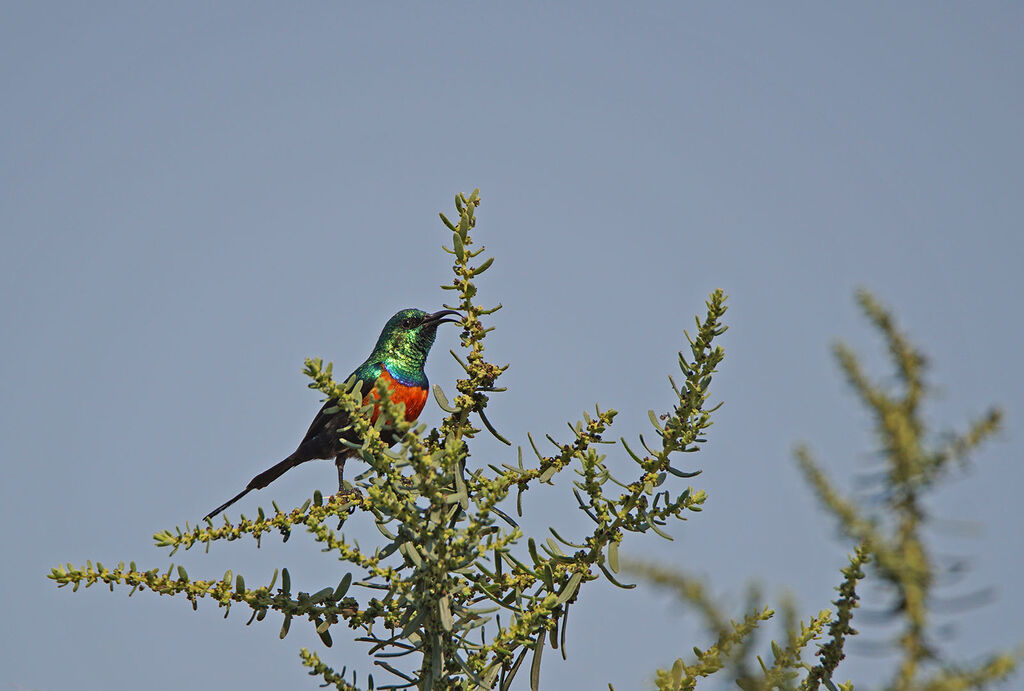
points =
(321, 439)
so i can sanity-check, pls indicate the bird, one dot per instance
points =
(398, 359)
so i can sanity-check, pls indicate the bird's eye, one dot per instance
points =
(408, 323)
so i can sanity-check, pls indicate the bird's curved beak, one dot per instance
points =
(439, 318)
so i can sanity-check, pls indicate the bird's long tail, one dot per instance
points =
(260, 481)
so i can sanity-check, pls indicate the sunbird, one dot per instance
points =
(398, 359)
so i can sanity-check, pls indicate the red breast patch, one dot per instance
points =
(414, 397)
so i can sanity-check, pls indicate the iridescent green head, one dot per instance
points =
(406, 339)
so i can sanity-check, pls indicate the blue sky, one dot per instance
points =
(194, 198)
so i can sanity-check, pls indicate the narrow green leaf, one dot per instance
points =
(680, 473)
(570, 588)
(342, 588)
(444, 609)
(613, 556)
(321, 595)
(414, 622)
(660, 533)
(461, 490)
(410, 551)
(442, 400)
(515, 668)
(678, 667)
(564, 541)
(490, 428)
(611, 579)
(483, 267)
(538, 651)
(532, 547)
(547, 576)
